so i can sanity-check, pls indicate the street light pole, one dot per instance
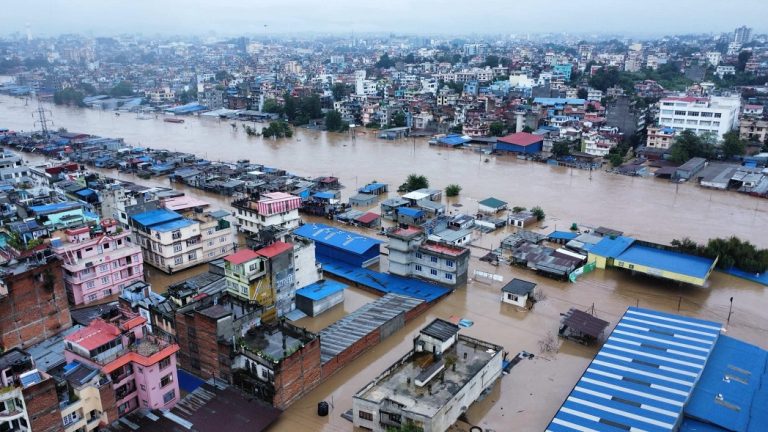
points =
(730, 310)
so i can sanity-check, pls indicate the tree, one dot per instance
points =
(616, 159)
(340, 91)
(452, 190)
(277, 130)
(561, 149)
(688, 145)
(744, 57)
(539, 213)
(414, 182)
(409, 59)
(272, 106)
(491, 60)
(398, 119)
(123, 88)
(732, 145)
(334, 122)
(385, 62)
(518, 209)
(496, 129)
(582, 93)
(68, 96)
(289, 106)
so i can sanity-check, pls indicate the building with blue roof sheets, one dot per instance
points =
(561, 237)
(732, 393)
(340, 245)
(642, 377)
(374, 188)
(320, 296)
(607, 249)
(667, 264)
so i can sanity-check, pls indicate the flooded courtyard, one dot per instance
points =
(528, 397)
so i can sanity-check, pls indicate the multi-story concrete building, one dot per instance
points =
(715, 115)
(596, 144)
(142, 367)
(753, 130)
(661, 138)
(275, 210)
(33, 301)
(171, 242)
(412, 255)
(98, 262)
(624, 114)
(28, 400)
(431, 386)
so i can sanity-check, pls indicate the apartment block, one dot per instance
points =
(412, 255)
(140, 366)
(98, 262)
(276, 210)
(716, 115)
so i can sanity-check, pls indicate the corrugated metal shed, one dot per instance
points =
(642, 377)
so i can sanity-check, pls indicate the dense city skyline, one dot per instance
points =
(230, 17)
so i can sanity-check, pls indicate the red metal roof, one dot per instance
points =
(134, 357)
(98, 333)
(274, 249)
(521, 138)
(241, 256)
(368, 217)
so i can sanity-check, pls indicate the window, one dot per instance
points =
(177, 247)
(244, 290)
(706, 114)
(433, 259)
(69, 418)
(143, 387)
(693, 113)
(90, 284)
(178, 260)
(164, 381)
(104, 267)
(449, 263)
(433, 272)
(222, 239)
(176, 235)
(365, 415)
(192, 256)
(418, 268)
(93, 297)
(171, 395)
(105, 246)
(105, 280)
(418, 255)
(164, 363)
(718, 115)
(449, 276)
(680, 113)
(107, 292)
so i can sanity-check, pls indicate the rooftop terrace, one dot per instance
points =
(398, 384)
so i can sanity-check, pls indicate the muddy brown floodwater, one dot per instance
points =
(527, 398)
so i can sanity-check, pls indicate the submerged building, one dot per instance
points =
(432, 385)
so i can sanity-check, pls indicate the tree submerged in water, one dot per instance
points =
(732, 252)
(277, 130)
(414, 182)
(452, 190)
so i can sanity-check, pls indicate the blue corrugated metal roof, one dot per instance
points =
(154, 217)
(338, 238)
(372, 187)
(172, 225)
(55, 207)
(642, 376)
(453, 140)
(324, 195)
(410, 212)
(85, 192)
(562, 235)
(735, 373)
(384, 282)
(559, 101)
(320, 290)
(667, 260)
(611, 247)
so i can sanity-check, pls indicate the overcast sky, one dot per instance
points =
(238, 17)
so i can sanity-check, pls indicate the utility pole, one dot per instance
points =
(41, 119)
(730, 310)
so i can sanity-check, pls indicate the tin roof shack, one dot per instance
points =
(517, 292)
(431, 386)
(521, 219)
(491, 205)
(411, 216)
(687, 170)
(362, 200)
(278, 363)
(389, 207)
(319, 297)
(581, 327)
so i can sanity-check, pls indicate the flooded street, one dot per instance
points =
(528, 397)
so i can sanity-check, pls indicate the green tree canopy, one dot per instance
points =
(561, 149)
(385, 62)
(452, 190)
(334, 122)
(414, 182)
(582, 93)
(340, 91)
(688, 145)
(496, 129)
(398, 119)
(732, 145)
(272, 106)
(539, 213)
(123, 88)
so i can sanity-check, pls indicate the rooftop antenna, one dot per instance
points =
(42, 120)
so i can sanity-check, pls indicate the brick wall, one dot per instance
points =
(200, 352)
(355, 350)
(298, 375)
(43, 407)
(36, 306)
(108, 403)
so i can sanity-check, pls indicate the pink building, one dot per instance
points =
(98, 263)
(142, 367)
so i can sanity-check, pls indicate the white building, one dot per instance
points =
(714, 57)
(431, 386)
(171, 242)
(274, 210)
(412, 255)
(594, 94)
(517, 292)
(724, 70)
(716, 115)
